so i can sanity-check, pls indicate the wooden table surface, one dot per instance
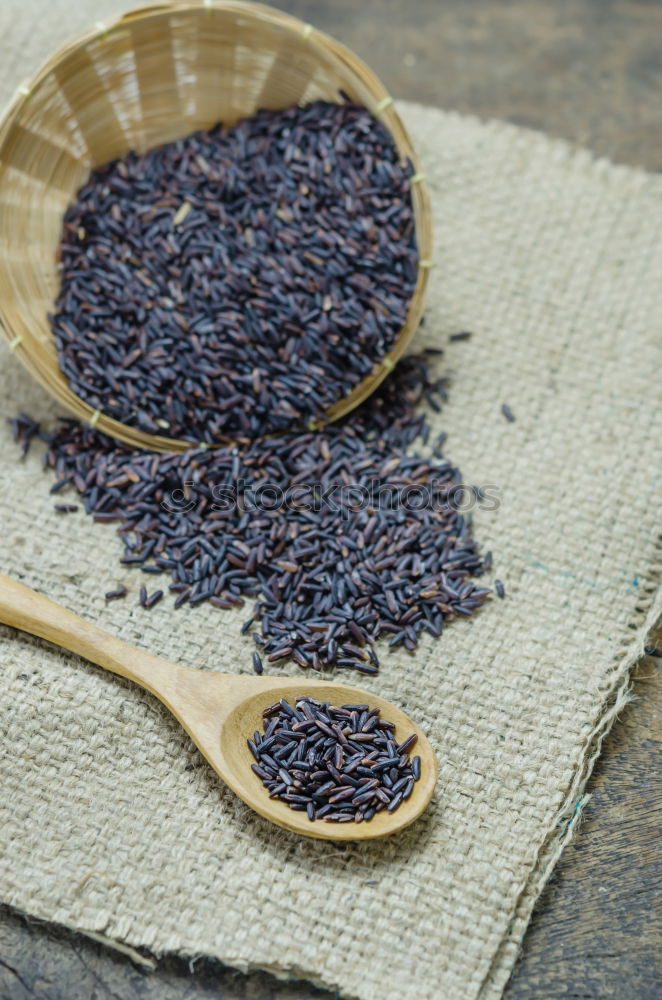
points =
(589, 71)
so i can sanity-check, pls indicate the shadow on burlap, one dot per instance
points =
(110, 820)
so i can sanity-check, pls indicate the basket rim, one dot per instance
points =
(384, 109)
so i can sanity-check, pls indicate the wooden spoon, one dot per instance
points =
(219, 711)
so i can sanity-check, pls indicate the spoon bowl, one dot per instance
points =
(220, 711)
(246, 717)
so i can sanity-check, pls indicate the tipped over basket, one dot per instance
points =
(154, 75)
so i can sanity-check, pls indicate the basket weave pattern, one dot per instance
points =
(154, 75)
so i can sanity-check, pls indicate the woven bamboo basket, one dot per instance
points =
(156, 74)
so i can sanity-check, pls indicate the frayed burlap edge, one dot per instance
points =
(617, 694)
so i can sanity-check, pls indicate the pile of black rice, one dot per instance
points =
(241, 280)
(340, 763)
(342, 535)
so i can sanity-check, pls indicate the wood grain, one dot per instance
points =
(588, 71)
(597, 931)
(594, 936)
(218, 710)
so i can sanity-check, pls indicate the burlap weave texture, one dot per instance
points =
(109, 819)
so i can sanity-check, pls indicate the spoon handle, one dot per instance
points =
(24, 608)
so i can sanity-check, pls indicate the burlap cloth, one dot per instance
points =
(111, 822)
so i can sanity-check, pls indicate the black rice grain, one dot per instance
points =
(23, 429)
(152, 599)
(113, 595)
(329, 575)
(500, 589)
(339, 762)
(508, 413)
(238, 281)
